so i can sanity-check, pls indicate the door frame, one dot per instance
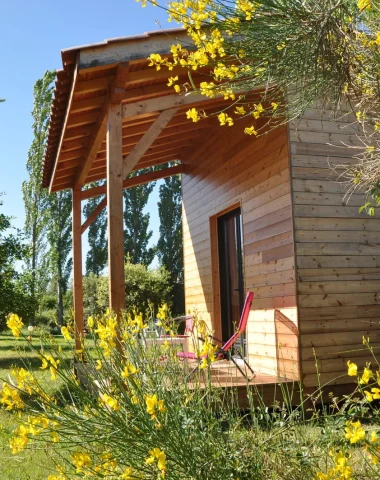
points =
(216, 318)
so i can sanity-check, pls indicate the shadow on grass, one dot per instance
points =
(33, 363)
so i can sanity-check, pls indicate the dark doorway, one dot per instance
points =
(231, 273)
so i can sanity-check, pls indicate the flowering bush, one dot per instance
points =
(127, 410)
(270, 60)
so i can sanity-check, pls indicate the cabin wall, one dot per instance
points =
(231, 168)
(337, 251)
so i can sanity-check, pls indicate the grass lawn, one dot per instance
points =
(33, 464)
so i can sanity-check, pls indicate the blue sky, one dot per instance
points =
(32, 35)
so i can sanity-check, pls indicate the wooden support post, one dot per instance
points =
(115, 209)
(77, 269)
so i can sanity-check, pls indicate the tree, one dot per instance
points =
(13, 298)
(97, 254)
(59, 237)
(35, 197)
(170, 244)
(136, 223)
(145, 288)
(274, 58)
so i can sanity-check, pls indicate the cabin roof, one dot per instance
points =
(114, 71)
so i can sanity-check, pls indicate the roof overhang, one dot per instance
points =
(117, 71)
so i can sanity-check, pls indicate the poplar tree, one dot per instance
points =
(136, 223)
(59, 237)
(35, 197)
(170, 242)
(97, 255)
(169, 246)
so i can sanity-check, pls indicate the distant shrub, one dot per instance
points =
(144, 287)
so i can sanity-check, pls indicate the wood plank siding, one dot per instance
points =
(232, 169)
(337, 251)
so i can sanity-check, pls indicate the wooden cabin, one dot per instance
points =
(261, 214)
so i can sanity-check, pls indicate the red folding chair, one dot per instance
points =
(224, 352)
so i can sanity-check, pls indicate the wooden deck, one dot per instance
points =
(268, 388)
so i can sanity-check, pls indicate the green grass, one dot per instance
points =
(34, 463)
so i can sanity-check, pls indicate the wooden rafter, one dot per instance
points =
(97, 210)
(162, 103)
(64, 125)
(117, 90)
(128, 183)
(146, 141)
(96, 140)
(160, 160)
(137, 180)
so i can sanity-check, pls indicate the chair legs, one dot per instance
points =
(245, 363)
(247, 366)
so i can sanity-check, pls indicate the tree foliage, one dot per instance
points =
(59, 237)
(136, 223)
(144, 288)
(274, 58)
(97, 254)
(35, 197)
(13, 295)
(170, 242)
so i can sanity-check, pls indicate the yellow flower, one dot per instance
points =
(159, 456)
(111, 402)
(20, 440)
(374, 438)
(172, 80)
(10, 398)
(259, 109)
(129, 369)
(352, 369)
(128, 474)
(153, 405)
(368, 395)
(224, 119)
(24, 379)
(48, 361)
(240, 111)
(15, 324)
(66, 333)
(177, 88)
(376, 393)
(99, 365)
(364, 4)
(90, 322)
(81, 460)
(247, 7)
(354, 431)
(274, 106)
(193, 115)
(367, 374)
(250, 131)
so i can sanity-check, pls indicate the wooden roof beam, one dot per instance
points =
(137, 180)
(128, 183)
(147, 140)
(97, 138)
(69, 104)
(163, 103)
(152, 162)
